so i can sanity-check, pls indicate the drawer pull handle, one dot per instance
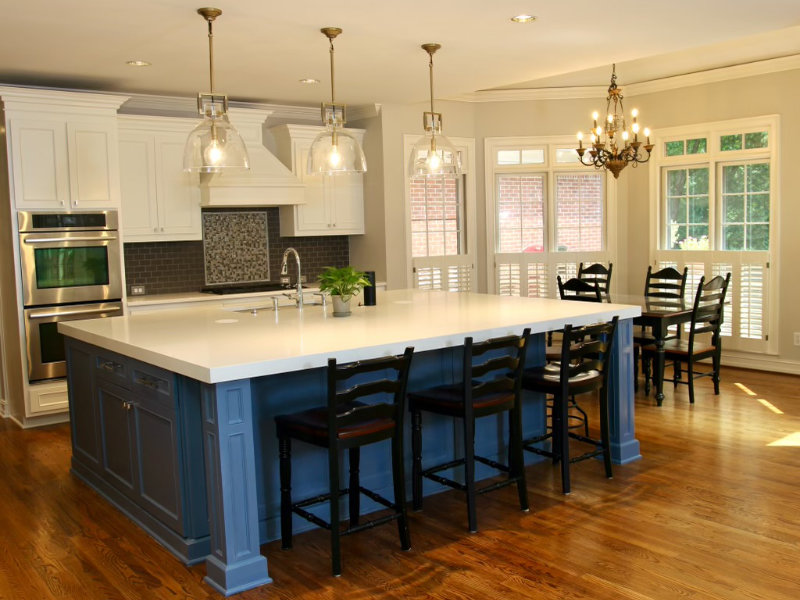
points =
(111, 366)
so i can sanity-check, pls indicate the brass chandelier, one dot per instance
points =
(615, 146)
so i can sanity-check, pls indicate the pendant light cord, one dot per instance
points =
(430, 68)
(333, 92)
(211, 55)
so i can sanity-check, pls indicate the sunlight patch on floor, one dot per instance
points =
(771, 406)
(745, 389)
(793, 439)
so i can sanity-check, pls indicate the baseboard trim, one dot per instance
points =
(760, 362)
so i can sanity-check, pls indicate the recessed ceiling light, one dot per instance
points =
(523, 19)
(309, 81)
(138, 63)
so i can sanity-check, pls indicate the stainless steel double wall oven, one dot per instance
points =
(70, 264)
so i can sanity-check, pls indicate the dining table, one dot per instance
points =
(658, 315)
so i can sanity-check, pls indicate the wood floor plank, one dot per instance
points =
(710, 513)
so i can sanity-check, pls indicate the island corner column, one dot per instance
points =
(235, 563)
(624, 445)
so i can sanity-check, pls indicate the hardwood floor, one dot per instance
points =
(711, 512)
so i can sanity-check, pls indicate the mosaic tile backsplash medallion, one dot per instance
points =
(236, 247)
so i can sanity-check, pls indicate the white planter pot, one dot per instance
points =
(341, 308)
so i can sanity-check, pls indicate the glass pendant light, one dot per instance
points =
(334, 151)
(214, 145)
(433, 155)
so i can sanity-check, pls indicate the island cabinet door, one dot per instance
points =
(83, 409)
(116, 405)
(156, 441)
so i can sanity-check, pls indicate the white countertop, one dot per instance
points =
(214, 343)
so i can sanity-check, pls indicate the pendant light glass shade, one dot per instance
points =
(433, 155)
(214, 145)
(334, 151)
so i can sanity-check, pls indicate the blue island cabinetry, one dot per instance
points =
(135, 439)
(173, 411)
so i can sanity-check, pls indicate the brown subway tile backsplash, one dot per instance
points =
(173, 267)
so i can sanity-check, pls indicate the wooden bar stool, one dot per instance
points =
(487, 388)
(349, 423)
(582, 368)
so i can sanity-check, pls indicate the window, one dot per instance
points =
(715, 205)
(520, 213)
(579, 212)
(549, 214)
(437, 217)
(441, 224)
(687, 209)
(745, 207)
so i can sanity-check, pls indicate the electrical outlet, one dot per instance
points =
(284, 281)
(303, 278)
(137, 290)
(797, 338)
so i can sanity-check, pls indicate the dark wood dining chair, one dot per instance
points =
(704, 340)
(666, 285)
(347, 422)
(490, 384)
(583, 291)
(579, 289)
(583, 367)
(597, 273)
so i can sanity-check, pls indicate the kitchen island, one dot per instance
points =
(172, 410)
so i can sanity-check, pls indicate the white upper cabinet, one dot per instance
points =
(334, 204)
(63, 150)
(160, 202)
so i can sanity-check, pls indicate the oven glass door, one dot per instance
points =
(46, 344)
(62, 267)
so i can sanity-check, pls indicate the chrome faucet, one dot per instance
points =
(285, 271)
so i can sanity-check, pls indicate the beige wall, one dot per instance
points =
(368, 251)
(776, 93)
(396, 121)
(761, 95)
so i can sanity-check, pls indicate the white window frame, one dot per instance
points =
(458, 262)
(554, 262)
(714, 158)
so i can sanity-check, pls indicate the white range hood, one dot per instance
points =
(267, 183)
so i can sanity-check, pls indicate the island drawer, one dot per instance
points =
(112, 367)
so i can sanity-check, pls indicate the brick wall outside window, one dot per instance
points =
(579, 212)
(436, 218)
(520, 213)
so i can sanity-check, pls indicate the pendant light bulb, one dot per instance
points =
(334, 151)
(214, 145)
(433, 155)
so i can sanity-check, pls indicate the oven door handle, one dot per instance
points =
(69, 239)
(69, 313)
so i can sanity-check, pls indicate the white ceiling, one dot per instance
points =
(263, 48)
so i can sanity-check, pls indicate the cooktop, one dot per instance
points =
(244, 288)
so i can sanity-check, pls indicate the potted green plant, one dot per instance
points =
(343, 283)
